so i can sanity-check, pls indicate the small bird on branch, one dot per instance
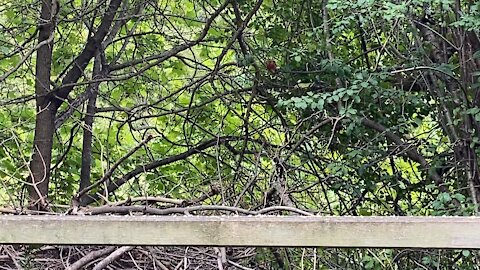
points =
(271, 66)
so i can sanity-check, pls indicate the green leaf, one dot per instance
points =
(476, 55)
(447, 69)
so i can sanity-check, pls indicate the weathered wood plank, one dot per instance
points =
(420, 232)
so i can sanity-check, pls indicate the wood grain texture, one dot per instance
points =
(317, 231)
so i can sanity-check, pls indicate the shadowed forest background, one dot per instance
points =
(240, 107)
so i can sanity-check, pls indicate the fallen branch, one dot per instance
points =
(112, 257)
(90, 257)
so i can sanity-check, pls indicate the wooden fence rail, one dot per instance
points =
(317, 231)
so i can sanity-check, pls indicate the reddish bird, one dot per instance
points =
(271, 66)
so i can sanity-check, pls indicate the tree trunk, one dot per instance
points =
(87, 133)
(44, 125)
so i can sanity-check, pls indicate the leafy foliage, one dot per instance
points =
(373, 109)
